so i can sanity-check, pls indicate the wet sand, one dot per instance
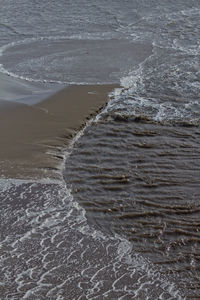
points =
(34, 136)
(47, 248)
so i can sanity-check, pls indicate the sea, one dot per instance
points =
(124, 220)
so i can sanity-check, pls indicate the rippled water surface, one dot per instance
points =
(134, 171)
(141, 181)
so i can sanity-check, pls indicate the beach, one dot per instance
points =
(38, 257)
(35, 136)
(99, 150)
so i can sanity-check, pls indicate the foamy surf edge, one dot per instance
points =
(54, 227)
(52, 235)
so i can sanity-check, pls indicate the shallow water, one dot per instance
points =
(48, 251)
(73, 60)
(135, 170)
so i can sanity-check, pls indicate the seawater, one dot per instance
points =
(135, 170)
(48, 251)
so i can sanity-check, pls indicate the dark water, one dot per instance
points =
(134, 171)
(141, 181)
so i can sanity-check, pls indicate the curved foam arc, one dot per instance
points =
(127, 83)
(134, 80)
(62, 37)
(128, 101)
(125, 248)
(54, 218)
(130, 82)
(10, 45)
(3, 70)
(86, 36)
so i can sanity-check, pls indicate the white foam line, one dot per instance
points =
(124, 249)
(62, 37)
(92, 37)
(67, 151)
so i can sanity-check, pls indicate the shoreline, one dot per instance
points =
(33, 137)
